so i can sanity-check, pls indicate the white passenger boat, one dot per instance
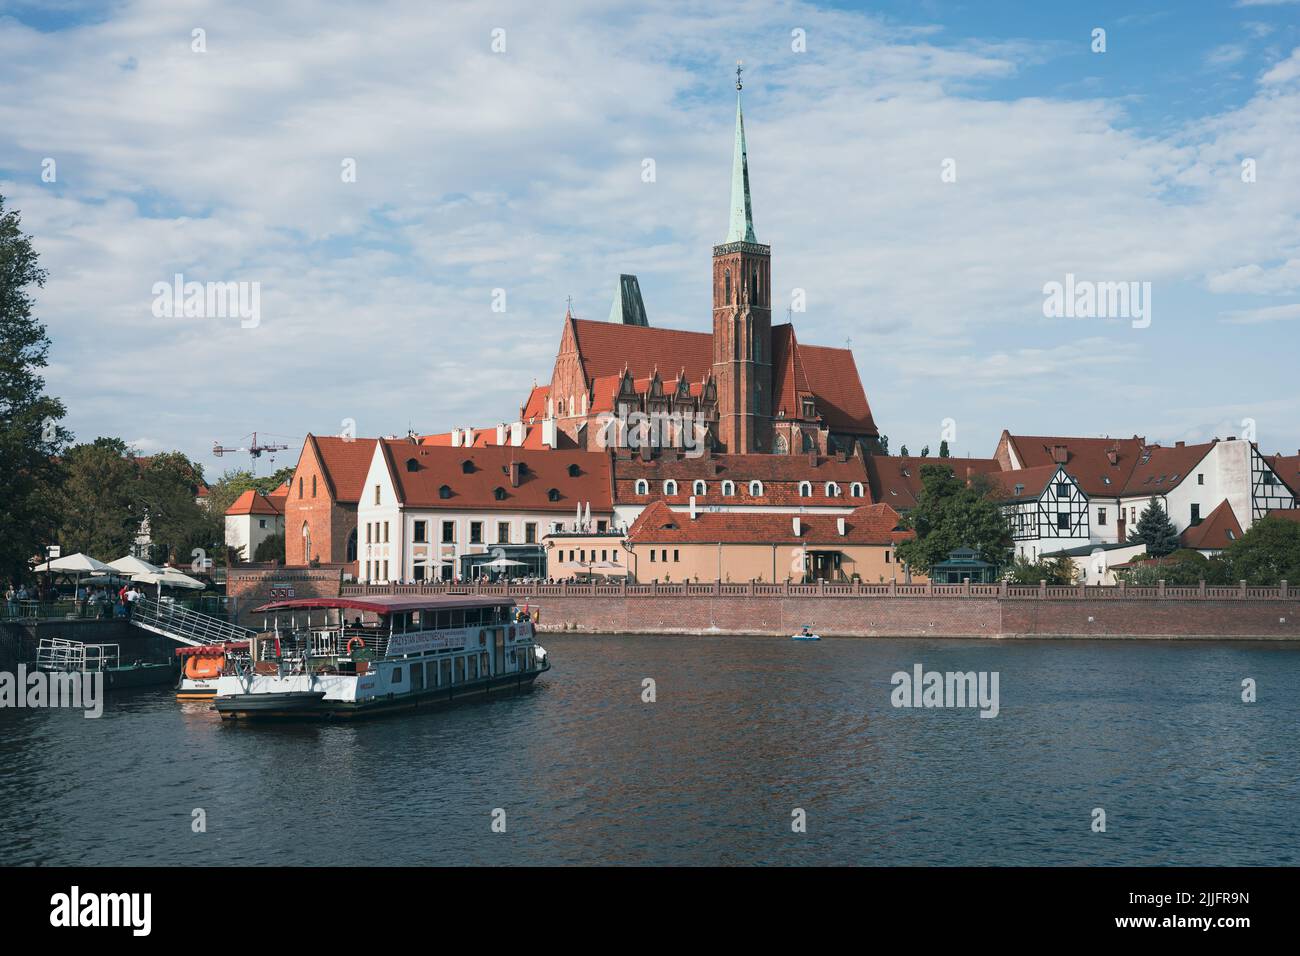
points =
(203, 666)
(347, 657)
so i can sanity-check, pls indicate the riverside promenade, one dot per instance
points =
(1003, 610)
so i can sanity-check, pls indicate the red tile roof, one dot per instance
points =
(1215, 532)
(789, 383)
(535, 407)
(344, 464)
(435, 466)
(780, 476)
(869, 524)
(606, 347)
(487, 438)
(1031, 482)
(1286, 514)
(252, 503)
(1288, 469)
(833, 376)
(896, 480)
(1086, 459)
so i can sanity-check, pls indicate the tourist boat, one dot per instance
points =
(806, 634)
(203, 665)
(56, 655)
(347, 657)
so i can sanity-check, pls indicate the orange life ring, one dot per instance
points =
(357, 639)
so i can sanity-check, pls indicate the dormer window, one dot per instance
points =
(467, 467)
(805, 489)
(756, 489)
(832, 490)
(728, 489)
(855, 489)
(809, 408)
(444, 491)
(642, 486)
(412, 465)
(499, 493)
(670, 487)
(699, 488)
(553, 494)
(574, 471)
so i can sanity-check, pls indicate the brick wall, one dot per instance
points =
(330, 522)
(252, 587)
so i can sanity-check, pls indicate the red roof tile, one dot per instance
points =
(896, 480)
(1288, 469)
(1215, 532)
(252, 503)
(344, 463)
(435, 466)
(833, 376)
(868, 524)
(1023, 484)
(607, 347)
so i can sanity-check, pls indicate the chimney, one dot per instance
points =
(692, 500)
(1180, 444)
(501, 434)
(549, 438)
(1112, 456)
(1060, 454)
(798, 529)
(455, 438)
(517, 433)
(514, 474)
(468, 440)
(839, 526)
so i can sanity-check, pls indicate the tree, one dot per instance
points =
(1266, 554)
(943, 449)
(950, 514)
(30, 434)
(100, 514)
(882, 444)
(271, 549)
(166, 496)
(925, 452)
(1060, 570)
(1156, 530)
(903, 451)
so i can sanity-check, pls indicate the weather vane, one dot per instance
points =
(738, 74)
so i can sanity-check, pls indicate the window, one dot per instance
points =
(676, 555)
(1062, 489)
(642, 486)
(652, 555)
(530, 532)
(499, 493)
(421, 532)
(1196, 514)
(313, 486)
(369, 526)
(467, 467)
(756, 489)
(299, 489)
(1101, 516)
(376, 494)
(385, 532)
(663, 555)
(444, 491)
(670, 487)
(805, 489)
(1200, 479)
(553, 494)
(832, 490)
(412, 465)
(397, 675)
(699, 488)
(1062, 521)
(476, 532)
(855, 490)
(261, 522)
(574, 471)
(449, 532)
(728, 489)
(809, 409)
(503, 532)
(887, 556)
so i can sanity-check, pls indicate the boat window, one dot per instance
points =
(473, 668)
(443, 620)
(483, 664)
(460, 670)
(431, 674)
(458, 617)
(444, 672)
(397, 675)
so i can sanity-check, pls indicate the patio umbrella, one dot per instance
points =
(168, 577)
(130, 565)
(77, 564)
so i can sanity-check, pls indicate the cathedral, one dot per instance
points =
(748, 386)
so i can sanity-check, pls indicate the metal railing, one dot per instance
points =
(183, 625)
(1002, 591)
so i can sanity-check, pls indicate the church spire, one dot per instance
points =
(741, 228)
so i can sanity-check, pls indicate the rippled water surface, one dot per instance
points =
(743, 731)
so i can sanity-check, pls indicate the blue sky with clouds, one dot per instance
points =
(522, 170)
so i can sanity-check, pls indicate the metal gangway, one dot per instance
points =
(185, 626)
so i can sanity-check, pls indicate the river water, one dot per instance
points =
(743, 732)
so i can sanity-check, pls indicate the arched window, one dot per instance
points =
(313, 486)
(642, 486)
(727, 274)
(467, 466)
(574, 471)
(306, 543)
(780, 445)
(352, 546)
(499, 493)
(670, 487)
(699, 488)
(756, 489)
(832, 490)
(753, 296)
(444, 491)
(412, 465)
(805, 489)
(855, 489)
(553, 494)
(728, 489)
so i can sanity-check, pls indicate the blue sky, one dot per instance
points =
(522, 170)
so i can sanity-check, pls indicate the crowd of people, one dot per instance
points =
(96, 601)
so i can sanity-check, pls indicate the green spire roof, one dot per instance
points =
(741, 228)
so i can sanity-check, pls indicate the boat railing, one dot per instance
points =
(57, 653)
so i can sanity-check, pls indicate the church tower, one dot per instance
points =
(742, 318)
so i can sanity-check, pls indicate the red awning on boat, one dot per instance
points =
(212, 650)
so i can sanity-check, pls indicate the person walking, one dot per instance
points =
(130, 598)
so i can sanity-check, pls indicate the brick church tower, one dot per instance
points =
(742, 318)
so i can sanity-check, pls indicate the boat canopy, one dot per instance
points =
(212, 650)
(386, 603)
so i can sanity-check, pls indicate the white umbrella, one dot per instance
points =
(76, 564)
(504, 563)
(130, 565)
(168, 577)
(586, 525)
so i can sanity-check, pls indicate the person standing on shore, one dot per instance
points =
(81, 599)
(11, 601)
(130, 598)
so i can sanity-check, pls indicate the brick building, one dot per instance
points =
(320, 510)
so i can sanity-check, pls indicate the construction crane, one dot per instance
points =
(254, 448)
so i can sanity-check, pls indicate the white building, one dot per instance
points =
(252, 518)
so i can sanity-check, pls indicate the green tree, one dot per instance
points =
(950, 514)
(1060, 570)
(903, 451)
(943, 449)
(1156, 530)
(1266, 554)
(271, 549)
(30, 434)
(100, 512)
(166, 496)
(925, 452)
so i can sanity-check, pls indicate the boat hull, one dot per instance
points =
(258, 707)
(118, 678)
